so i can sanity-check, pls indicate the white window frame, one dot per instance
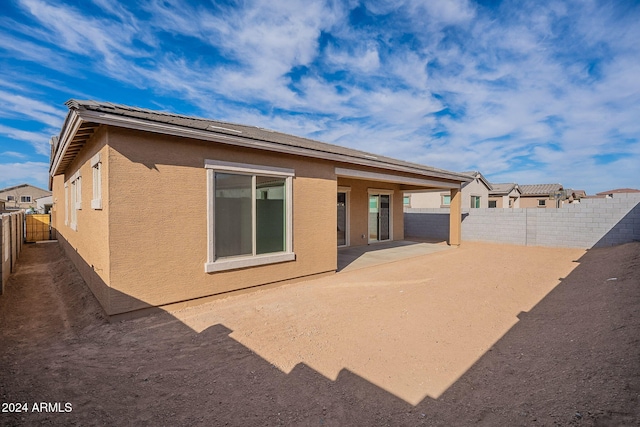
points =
(473, 204)
(96, 167)
(23, 199)
(542, 203)
(76, 199)
(66, 203)
(214, 265)
(442, 200)
(11, 198)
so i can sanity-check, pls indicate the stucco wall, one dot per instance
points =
(88, 245)
(532, 202)
(158, 220)
(433, 199)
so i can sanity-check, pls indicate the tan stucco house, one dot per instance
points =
(159, 209)
(22, 196)
(504, 196)
(549, 196)
(475, 194)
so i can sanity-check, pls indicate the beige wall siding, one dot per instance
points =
(158, 220)
(475, 188)
(532, 202)
(431, 199)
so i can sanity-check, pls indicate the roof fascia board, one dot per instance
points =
(71, 127)
(167, 129)
(396, 179)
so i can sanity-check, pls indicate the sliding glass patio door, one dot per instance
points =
(379, 217)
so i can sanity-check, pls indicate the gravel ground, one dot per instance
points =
(479, 335)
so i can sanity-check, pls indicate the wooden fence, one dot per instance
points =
(11, 238)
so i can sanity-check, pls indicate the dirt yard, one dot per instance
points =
(478, 335)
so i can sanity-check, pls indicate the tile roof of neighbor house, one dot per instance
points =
(94, 113)
(15, 187)
(504, 188)
(539, 189)
(618, 190)
(474, 175)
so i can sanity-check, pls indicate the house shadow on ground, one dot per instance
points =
(572, 360)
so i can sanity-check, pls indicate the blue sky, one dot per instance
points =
(523, 91)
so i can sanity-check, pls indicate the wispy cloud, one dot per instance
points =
(19, 173)
(527, 88)
(38, 140)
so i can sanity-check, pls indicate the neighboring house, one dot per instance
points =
(504, 196)
(158, 209)
(22, 196)
(541, 196)
(475, 194)
(44, 204)
(611, 193)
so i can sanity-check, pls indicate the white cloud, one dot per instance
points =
(39, 140)
(17, 106)
(35, 173)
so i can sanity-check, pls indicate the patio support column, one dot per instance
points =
(455, 217)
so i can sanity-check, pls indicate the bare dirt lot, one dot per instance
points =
(478, 335)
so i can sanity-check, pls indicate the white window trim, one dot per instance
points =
(66, 203)
(347, 239)
(214, 265)
(96, 167)
(24, 197)
(76, 199)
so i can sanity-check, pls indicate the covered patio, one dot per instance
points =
(356, 257)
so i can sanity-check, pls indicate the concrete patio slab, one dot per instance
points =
(356, 257)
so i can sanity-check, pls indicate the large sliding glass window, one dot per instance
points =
(233, 215)
(250, 215)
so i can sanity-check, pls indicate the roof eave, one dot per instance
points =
(77, 117)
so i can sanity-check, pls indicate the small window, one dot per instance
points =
(76, 199)
(250, 218)
(11, 198)
(406, 201)
(542, 203)
(493, 203)
(96, 166)
(446, 200)
(25, 199)
(475, 201)
(66, 203)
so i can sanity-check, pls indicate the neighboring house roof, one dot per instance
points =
(540, 189)
(15, 187)
(85, 117)
(477, 174)
(503, 189)
(618, 190)
(578, 193)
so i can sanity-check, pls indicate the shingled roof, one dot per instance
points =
(88, 115)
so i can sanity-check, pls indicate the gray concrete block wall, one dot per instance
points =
(591, 223)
